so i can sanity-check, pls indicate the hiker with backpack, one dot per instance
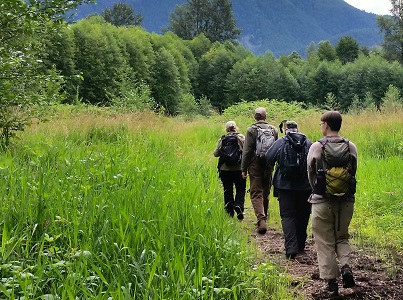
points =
(258, 139)
(332, 165)
(229, 150)
(291, 186)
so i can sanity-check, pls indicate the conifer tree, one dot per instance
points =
(392, 27)
(213, 18)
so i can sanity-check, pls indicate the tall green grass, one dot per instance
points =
(122, 208)
(106, 206)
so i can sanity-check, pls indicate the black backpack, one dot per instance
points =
(292, 158)
(230, 152)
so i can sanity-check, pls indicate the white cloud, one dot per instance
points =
(381, 7)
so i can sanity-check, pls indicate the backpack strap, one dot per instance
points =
(220, 162)
(325, 140)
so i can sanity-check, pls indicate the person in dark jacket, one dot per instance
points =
(291, 187)
(231, 175)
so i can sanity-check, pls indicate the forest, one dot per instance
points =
(48, 61)
(281, 26)
(116, 63)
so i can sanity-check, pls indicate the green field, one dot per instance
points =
(97, 205)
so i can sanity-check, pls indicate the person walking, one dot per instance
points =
(291, 186)
(229, 150)
(332, 165)
(259, 137)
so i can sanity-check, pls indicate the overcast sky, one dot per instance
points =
(380, 7)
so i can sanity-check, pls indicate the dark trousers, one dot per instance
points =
(294, 211)
(229, 179)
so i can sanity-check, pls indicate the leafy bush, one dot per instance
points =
(134, 99)
(392, 102)
(275, 109)
(188, 107)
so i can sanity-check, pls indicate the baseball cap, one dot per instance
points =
(260, 111)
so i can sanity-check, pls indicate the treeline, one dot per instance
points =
(118, 64)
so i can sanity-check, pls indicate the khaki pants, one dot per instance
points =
(330, 236)
(260, 183)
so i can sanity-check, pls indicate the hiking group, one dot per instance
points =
(315, 179)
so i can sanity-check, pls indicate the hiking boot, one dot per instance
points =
(261, 226)
(347, 275)
(239, 213)
(333, 287)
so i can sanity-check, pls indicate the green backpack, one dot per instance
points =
(337, 177)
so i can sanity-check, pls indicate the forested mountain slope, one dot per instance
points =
(271, 25)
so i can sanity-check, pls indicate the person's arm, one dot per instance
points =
(353, 152)
(218, 148)
(314, 153)
(241, 141)
(248, 150)
(272, 154)
(275, 133)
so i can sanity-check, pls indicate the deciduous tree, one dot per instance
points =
(23, 87)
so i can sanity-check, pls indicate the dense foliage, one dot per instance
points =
(278, 26)
(115, 61)
(95, 62)
(24, 83)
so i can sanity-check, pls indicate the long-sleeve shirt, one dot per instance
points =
(248, 154)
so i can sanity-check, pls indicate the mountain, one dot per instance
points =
(279, 26)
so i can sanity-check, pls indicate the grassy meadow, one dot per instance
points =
(105, 206)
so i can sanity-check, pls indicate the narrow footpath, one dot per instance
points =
(376, 277)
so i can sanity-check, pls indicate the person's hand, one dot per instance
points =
(244, 174)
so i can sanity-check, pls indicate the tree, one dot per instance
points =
(214, 67)
(347, 49)
(199, 45)
(257, 78)
(100, 59)
(23, 87)
(392, 27)
(311, 50)
(322, 81)
(59, 51)
(166, 87)
(326, 51)
(122, 14)
(212, 17)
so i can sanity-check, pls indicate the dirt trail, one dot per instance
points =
(372, 274)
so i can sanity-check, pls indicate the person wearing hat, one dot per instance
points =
(291, 186)
(230, 173)
(259, 173)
